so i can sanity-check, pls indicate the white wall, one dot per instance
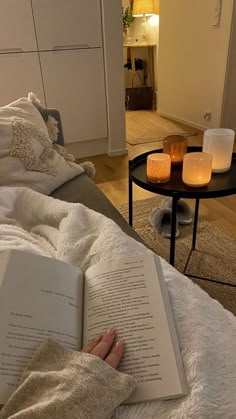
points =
(192, 60)
(229, 102)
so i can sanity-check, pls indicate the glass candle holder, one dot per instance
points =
(197, 169)
(158, 167)
(219, 143)
(176, 147)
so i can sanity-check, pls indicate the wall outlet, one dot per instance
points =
(207, 116)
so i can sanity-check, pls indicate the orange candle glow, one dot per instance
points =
(158, 167)
(197, 169)
(176, 147)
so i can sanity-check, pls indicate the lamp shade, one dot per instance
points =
(145, 7)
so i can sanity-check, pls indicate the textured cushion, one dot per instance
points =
(28, 157)
(23, 108)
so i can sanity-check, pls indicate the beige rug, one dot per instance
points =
(213, 259)
(147, 126)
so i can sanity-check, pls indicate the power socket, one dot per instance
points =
(207, 116)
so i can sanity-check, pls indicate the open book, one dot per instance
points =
(42, 297)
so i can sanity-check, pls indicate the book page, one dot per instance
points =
(39, 297)
(126, 294)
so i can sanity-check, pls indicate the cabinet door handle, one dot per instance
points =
(10, 50)
(75, 46)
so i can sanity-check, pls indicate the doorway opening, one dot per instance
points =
(145, 128)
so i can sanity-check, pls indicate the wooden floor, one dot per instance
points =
(112, 178)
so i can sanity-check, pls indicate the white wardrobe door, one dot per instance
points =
(17, 31)
(67, 23)
(20, 74)
(74, 83)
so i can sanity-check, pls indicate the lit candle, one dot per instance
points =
(158, 167)
(197, 169)
(219, 143)
(176, 147)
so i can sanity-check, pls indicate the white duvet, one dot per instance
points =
(207, 332)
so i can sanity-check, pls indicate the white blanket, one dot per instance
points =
(207, 332)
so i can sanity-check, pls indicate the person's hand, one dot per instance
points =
(102, 346)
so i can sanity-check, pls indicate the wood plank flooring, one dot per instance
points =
(112, 178)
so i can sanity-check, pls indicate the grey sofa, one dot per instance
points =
(82, 189)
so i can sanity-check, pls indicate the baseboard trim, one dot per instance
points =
(120, 152)
(88, 148)
(183, 121)
(91, 148)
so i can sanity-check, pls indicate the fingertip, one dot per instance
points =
(111, 331)
(120, 344)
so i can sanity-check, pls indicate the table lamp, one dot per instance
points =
(144, 8)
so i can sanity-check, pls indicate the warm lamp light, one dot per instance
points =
(144, 8)
(197, 169)
(219, 143)
(158, 167)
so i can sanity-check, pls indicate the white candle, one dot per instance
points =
(158, 167)
(197, 169)
(219, 143)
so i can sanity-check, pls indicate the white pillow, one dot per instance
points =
(23, 108)
(27, 154)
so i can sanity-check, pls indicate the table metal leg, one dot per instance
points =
(194, 238)
(195, 224)
(130, 202)
(173, 230)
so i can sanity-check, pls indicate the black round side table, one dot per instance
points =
(222, 184)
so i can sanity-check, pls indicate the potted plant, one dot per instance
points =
(127, 17)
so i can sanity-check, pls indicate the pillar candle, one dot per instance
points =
(176, 147)
(158, 167)
(197, 169)
(219, 143)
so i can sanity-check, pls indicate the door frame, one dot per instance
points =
(229, 96)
